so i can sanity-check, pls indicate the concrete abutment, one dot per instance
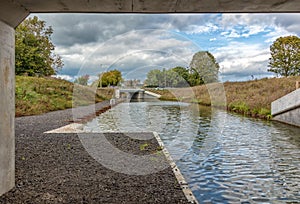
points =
(7, 107)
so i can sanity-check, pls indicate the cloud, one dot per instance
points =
(244, 25)
(72, 29)
(276, 33)
(199, 29)
(135, 43)
(253, 30)
(290, 22)
(130, 51)
(233, 34)
(241, 59)
(270, 25)
(65, 77)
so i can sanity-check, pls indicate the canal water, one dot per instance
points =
(225, 158)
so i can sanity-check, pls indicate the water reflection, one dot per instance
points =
(251, 162)
(225, 158)
(176, 121)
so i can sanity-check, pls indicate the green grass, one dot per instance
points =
(251, 98)
(37, 95)
(144, 146)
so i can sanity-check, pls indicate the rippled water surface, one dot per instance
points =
(225, 158)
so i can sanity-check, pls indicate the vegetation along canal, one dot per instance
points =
(224, 157)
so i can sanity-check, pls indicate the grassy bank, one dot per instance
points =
(252, 98)
(40, 95)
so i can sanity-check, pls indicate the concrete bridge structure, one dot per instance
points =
(12, 12)
(138, 94)
(287, 108)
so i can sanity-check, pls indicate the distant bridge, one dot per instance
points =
(136, 94)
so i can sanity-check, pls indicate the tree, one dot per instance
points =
(34, 49)
(194, 78)
(204, 64)
(110, 78)
(285, 56)
(182, 76)
(82, 80)
(154, 78)
(175, 77)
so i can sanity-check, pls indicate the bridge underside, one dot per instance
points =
(12, 12)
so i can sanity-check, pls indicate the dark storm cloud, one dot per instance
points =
(289, 21)
(88, 28)
(73, 29)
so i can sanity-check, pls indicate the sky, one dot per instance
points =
(136, 43)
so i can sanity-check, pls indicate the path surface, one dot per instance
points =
(55, 168)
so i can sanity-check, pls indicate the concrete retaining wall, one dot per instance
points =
(287, 108)
(151, 95)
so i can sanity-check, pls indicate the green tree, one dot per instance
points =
(285, 56)
(194, 78)
(34, 49)
(181, 77)
(204, 63)
(110, 78)
(82, 80)
(154, 78)
(175, 77)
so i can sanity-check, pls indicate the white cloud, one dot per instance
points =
(229, 21)
(233, 34)
(244, 25)
(276, 33)
(65, 77)
(92, 79)
(242, 59)
(253, 30)
(198, 29)
(247, 25)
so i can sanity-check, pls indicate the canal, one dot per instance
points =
(225, 158)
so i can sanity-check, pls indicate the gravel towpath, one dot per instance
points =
(56, 168)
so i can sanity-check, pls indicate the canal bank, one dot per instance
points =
(250, 98)
(56, 168)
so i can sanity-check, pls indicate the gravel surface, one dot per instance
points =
(56, 168)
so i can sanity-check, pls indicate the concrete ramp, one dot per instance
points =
(151, 94)
(287, 108)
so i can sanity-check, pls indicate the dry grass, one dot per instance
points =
(36, 95)
(106, 92)
(251, 98)
(255, 97)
